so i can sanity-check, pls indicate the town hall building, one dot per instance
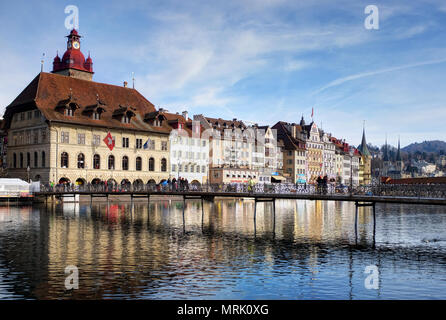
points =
(64, 127)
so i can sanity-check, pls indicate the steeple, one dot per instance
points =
(386, 152)
(302, 121)
(398, 153)
(363, 147)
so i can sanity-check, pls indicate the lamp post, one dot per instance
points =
(27, 171)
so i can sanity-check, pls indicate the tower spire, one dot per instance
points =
(363, 147)
(386, 154)
(398, 153)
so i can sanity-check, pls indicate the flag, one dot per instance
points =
(312, 112)
(109, 141)
(146, 145)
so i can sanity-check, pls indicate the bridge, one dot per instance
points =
(362, 197)
(210, 195)
(401, 194)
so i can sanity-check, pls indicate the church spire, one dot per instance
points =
(398, 153)
(363, 147)
(386, 153)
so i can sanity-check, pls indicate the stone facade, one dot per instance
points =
(32, 141)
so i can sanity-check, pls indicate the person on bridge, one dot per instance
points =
(251, 184)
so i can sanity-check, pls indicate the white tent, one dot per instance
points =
(14, 187)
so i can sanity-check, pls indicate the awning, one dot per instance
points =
(278, 178)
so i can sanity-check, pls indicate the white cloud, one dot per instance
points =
(357, 76)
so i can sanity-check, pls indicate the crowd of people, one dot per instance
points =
(322, 186)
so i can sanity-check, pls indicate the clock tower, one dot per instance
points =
(73, 62)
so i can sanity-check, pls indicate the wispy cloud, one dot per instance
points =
(357, 76)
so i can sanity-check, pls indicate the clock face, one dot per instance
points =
(76, 45)
(69, 45)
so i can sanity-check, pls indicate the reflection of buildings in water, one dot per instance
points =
(113, 251)
(119, 248)
(25, 250)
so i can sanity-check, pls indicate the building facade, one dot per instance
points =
(292, 136)
(64, 127)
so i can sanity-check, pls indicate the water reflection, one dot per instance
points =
(309, 250)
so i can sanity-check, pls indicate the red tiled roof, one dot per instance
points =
(49, 90)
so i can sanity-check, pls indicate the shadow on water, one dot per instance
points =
(309, 250)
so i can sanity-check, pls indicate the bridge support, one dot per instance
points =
(184, 208)
(365, 204)
(202, 213)
(273, 200)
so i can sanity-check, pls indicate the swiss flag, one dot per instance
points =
(109, 141)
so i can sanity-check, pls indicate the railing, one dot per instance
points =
(420, 191)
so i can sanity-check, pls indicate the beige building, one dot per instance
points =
(66, 128)
(232, 146)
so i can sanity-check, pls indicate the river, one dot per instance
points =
(148, 251)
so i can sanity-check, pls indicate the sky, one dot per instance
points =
(260, 61)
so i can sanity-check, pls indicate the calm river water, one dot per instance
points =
(150, 252)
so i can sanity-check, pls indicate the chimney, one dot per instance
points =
(185, 115)
(293, 131)
(125, 84)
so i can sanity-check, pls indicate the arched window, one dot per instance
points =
(28, 159)
(111, 162)
(21, 160)
(81, 161)
(138, 164)
(151, 164)
(43, 159)
(163, 165)
(96, 162)
(64, 160)
(14, 160)
(125, 163)
(36, 160)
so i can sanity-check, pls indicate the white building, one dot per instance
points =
(189, 151)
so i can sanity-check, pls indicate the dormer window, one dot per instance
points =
(125, 119)
(94, 111)
(67, 107)
(123, 114)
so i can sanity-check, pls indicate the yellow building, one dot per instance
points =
(365, 162)
(64, 127)
(315, 153)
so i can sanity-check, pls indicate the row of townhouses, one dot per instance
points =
(66, 128)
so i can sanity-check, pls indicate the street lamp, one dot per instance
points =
(27, 170)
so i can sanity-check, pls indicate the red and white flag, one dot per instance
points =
(109, 141)
(312, 112)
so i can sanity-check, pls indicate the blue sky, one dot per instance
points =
(255, 60)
